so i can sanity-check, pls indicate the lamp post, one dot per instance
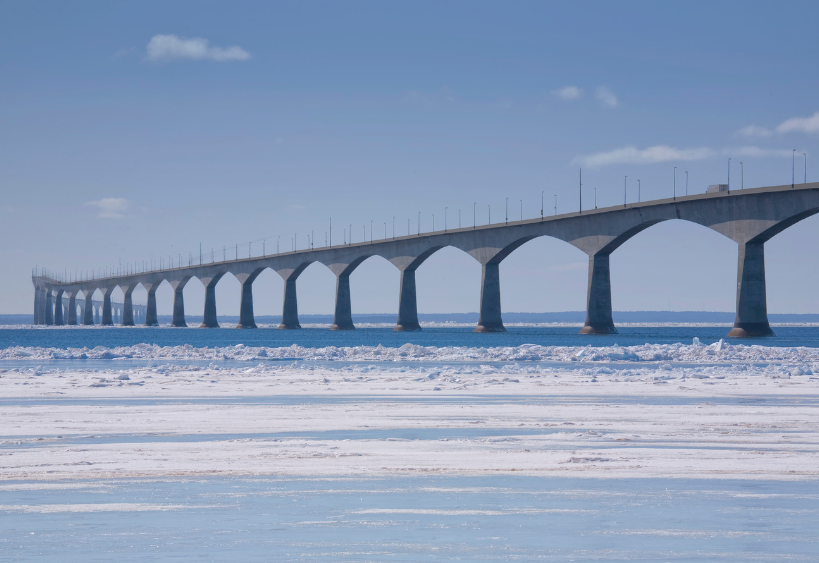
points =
(489, 214)
(541, 206)
(625, 190)
(638, 190)
(595, 197)
(793, 167)
(445, 210)
(459, 218)
(331, 232)
(521, 210)
(806, 166)
(393, 227)
(555, 204)
(419, 223)
(507, 211)
(686, 182)
(385, 230)
(675, 182)
(581, 190)
(729, 175)
(473, 214)
(741, 175)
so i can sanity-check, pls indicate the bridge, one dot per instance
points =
(748, 217)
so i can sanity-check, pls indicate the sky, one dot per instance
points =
(131, 131)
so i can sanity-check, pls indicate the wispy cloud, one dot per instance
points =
(606, 97)
(800, 124)
(754, 131)
(757, 152)
(650, 155)
(111, 207)
(173, 47)
(568, 93)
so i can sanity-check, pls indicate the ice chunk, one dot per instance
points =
(696, 342)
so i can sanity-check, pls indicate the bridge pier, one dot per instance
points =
(490, 317)
(343, 318)
(752, 305)
(209, 314)
(598, 297)
(36, 317)
(49, 311)
(58, 308)
(41, 309)
(72, 309)
(290, 307)
(128, 307)
(107, 317)
(88, 309)
(246, 319)
(407, 303)
(178, 319)
(150, 311)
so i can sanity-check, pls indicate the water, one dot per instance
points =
(320, 337)
(409, 518)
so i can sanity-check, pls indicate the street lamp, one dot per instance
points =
(729, 175)
(686, 182)
(507, 211)
(489, 213)
(638, 190)
(625, 190)
(473, 214)
(521, 210)
(741, 175)
(793, 167)
(595, 197)
(393, 227)
(675, 182)
(445, 210)
(555, 204)
(806, 166)
(541, 206)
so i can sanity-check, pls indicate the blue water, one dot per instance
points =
(410, 518)
(316, 337)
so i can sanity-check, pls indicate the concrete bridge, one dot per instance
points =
(748, 217)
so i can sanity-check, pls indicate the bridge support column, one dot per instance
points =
(128, 307)
(150, 312)
(178, 319)
(88, 310)
(246, 319)
(58, 308)
(752, 306)
(41, 308)
(290, 308)
(36, 318)
(343, 318)
(72, 309)
(209, 316)
(407, 303)
(107, 317)
(490, 319)
(598, 297)
(49, 311)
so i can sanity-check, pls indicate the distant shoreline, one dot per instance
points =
(567, 318)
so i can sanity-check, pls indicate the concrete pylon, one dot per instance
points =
(36, 317)
(58, 308)
(128, 306)
(88, 310)
(598, 297)
(41, 315)
(752, 305)
(290, 307)
(72, 309)
(343, 318)
(150, 310)
(49, 308)
(490, 316)
(407, 303)
(107, 317)
(246, 319)
(178, 319)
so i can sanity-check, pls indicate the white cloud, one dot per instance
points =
(607, 97)
(751, 151)
(568, 93)
(111, 207)
(173, 47)
(650, 155)
(754, 131)
(800, 124)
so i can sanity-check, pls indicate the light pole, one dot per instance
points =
(393, 227)
(419, 223)
(595, 197)
(793, 167)
(741, 175)
(675, 183)
(541, 206)
(385, 230)
(686, 182)
(371, 231)
(555, 204)
(507, 211)
(806, 166)
(729, 175)
(433, 222)
(489, 213)
(473, 215)
(521, 210)
(459, 218)
(638, 190)
(581, 190)
(625, 190)
(445, 210)
(408, 227)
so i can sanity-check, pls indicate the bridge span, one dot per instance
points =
(748, 217)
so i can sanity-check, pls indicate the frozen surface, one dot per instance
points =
(684, 452)
(408, 518)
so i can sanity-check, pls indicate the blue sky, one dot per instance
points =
(137, 130)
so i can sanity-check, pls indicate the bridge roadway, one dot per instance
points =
(748, 217)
